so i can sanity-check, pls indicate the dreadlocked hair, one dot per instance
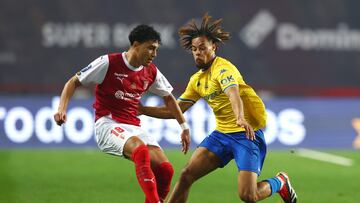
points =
(210, 29)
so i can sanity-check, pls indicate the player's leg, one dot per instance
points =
(201, 163)
(249, 190)
(160, 164)
(139, 153)
(162, 169)
(118, 139)
(278, 184)
(210, 155)
(249, 157)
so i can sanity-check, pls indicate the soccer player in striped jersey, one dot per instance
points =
(240, 116)
(121, 79)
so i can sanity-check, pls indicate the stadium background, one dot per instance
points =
(302, 57)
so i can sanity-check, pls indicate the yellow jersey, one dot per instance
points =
(211, 84)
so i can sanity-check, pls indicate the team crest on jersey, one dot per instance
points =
(146, 84)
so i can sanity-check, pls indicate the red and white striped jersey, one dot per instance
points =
(119, 86)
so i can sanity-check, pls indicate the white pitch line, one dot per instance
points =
(326, 157)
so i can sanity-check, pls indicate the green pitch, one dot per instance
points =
(87, 176)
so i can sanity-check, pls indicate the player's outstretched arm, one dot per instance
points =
(238, 109)
(66, 94)
(155, 111)
(171, 110)
(174, 108)
(162, 111)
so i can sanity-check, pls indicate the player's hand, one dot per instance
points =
(185, 140)
(140, 109)
(250, 134)
(60, 117)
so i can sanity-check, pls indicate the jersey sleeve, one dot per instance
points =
(161, 85)
(228, 77)
(95, 72)
(190, 95)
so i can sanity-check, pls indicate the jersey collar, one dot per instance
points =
(130, 66)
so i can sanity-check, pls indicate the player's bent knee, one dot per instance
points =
(131, 144)
(248, 197)
(167, 170)
(134, 142)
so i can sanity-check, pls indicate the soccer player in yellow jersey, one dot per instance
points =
(240, 115)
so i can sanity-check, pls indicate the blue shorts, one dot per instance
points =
(249, 155)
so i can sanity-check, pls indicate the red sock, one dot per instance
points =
(163, 173)
(144, 174)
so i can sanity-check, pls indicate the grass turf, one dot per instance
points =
(78, 175)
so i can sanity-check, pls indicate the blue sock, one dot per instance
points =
(275, 184)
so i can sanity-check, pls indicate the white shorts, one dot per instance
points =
(111, 136)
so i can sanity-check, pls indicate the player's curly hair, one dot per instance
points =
(211, 29)
(143, 33)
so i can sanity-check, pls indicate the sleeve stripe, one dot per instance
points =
(187, 100)
(229, 86)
